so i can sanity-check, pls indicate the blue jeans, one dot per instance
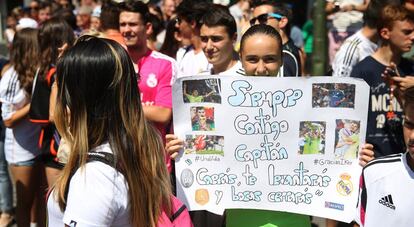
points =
(6, 190)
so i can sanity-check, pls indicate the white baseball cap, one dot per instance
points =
(26, 23)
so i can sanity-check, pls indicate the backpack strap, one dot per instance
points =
(104, 157)
(49, 75)
(177, 213)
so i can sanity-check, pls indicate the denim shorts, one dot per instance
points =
(30, 162)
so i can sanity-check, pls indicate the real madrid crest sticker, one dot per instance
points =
(344, 185)
(152, 80)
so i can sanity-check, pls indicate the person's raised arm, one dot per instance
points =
(157, 114)
(210, 93)
(323, 89)
(52, 102)
(185, 89)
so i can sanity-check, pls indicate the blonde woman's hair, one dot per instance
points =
(98, 101)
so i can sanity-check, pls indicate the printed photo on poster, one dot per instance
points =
(334, 95)
(202, 118)
(204, 145)
(312, 137)
(206, 90)
(346, 139)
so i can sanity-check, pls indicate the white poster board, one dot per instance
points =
(284, 144)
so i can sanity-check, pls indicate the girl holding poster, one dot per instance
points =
(260, 55)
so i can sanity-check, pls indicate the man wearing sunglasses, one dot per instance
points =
(34, 10)
(277, 15)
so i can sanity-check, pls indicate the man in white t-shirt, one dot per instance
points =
(385, 197)
(218, 34)
(192, 60)
(360, 45)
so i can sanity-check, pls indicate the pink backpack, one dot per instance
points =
(179, 218)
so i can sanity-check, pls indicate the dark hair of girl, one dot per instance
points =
(261, 29)
(170, 45)
(53, 34)
(98, 101)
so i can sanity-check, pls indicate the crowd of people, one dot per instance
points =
(88, 86)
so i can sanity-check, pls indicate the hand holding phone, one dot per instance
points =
(391, 72)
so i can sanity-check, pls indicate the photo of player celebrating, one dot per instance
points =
(312, 137)
(206, 90)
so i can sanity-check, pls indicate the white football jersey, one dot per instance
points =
(353, 50)
(386, 193)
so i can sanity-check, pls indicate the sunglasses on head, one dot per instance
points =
(264, 17)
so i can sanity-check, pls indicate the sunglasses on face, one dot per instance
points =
(177, 20)
(264, 17)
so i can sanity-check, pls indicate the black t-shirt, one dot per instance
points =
(39, 108)
(39, 113)
(291, 60)
(386, 135)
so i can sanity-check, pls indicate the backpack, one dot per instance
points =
(49, 137)
(39, 108)
(179, 217)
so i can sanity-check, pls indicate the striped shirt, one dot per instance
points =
(353, 50)
(20, 143)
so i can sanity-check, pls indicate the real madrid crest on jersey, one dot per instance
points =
(152, 80)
